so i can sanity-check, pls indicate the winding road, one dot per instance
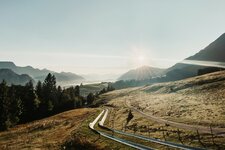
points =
(201, 129)
(170, 144)
(125, 142)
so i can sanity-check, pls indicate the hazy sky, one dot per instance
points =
(106, 36)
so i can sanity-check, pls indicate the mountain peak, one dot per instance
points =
(142, 73)
(222, 36)
(145, 67)
(213, 52)
(12, 78)
(7, 64)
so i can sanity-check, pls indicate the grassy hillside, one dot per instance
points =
(92, 88)
(68, 130)
(175, 110)
(51, 132)
(198, 100)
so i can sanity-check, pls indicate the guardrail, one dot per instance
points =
(166, 143)
(125, 142)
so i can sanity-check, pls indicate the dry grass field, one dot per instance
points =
(68, 130)
(198, 101)
(190, 105)
(49, 133)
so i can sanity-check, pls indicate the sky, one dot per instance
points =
(106, 36)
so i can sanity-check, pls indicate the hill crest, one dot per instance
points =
(142, 73)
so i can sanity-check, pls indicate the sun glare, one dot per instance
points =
(141, 60)
(139, 57)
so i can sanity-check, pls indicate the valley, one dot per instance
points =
(112, 75)
(151, 118)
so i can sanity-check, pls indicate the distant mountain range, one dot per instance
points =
(37, 74)
(63, 77)
(214, 52)
(142, 73)
(12, 78)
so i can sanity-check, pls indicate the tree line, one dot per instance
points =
(21, 104)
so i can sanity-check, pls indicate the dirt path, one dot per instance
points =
(154, 140)
(201, 129)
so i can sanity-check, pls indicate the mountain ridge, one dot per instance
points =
(40, 74)
(12, 78)
(214, 52)
(142, 73)
(218, 45)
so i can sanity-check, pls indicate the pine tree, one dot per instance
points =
(10, 106)
(39, 89)
(90, 98)
(4, 106)
(30, 102)
(49, 93)
(59, 94)
(15, 109)
(77, 91)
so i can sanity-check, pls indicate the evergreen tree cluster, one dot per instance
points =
(105, 90)
(17, 104)
(91, 97)
(21, 104)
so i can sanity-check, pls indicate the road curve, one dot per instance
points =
(92, 124)
(201, 129)
(125, 142)
(101, 123)
(170, 144)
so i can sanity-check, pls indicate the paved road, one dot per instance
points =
(171, 144)
(125, 142)
(201, 129)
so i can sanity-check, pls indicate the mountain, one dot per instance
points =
(63, 77)
(39, 74)
(212, 54)
(24, 70)
(142, 73)
(12, 78)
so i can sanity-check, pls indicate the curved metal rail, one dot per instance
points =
(166, 143)
(125, 142)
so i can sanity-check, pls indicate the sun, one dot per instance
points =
(139, 57)
(141, 60)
